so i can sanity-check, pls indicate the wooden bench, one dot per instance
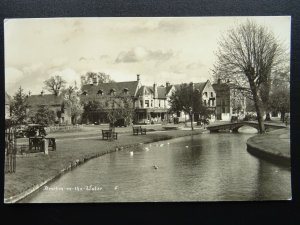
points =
(109, 134)
(139, 129)
(37, 143)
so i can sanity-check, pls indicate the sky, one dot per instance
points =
(160, 49)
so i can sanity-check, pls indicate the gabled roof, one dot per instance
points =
(107, 87)
(45, 99)
(226, 86)
(200, 86)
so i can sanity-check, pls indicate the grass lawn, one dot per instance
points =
(34, 169)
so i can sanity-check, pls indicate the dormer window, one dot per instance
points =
(112, 91)
(100, 92)
(84, 93)
(125, 90)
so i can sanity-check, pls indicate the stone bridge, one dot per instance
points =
(235, 126)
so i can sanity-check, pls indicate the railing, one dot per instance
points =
(10, 150)
(53, 129)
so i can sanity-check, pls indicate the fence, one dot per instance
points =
(53, 129)
(10, 150)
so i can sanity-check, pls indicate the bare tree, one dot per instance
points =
(247, 55)
(54, 84)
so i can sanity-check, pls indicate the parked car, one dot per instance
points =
(35, 130)
(21, 131)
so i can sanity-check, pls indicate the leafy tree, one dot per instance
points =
(19, 106)
(247, 55)
(55, 84)
(44, 116)
(101, 78)
(72, 101)
(280, 94)
(280, 101)
(187, 99)
(119, 107)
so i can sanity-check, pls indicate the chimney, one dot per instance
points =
(95, 81)
(219, 81)
(29, 93)
(155, 90)
(42, 93)
(167, 84)
(192, 85)
(138, 77)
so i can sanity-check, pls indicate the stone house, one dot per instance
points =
(53, 102)
(231, 100)
(152, 105)
(208, 96)
(102, 92)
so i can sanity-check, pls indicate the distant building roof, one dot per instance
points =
(200, 86)
(226, 86)
(118, 87)
(45, 99)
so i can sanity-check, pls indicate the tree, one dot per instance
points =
(187, 99)
(280, 101)
(55, 84)
(19, 106)
(247, 55)
(280, 94)
(101, 78)
(119, 107)
(72, 100)
(44, 116)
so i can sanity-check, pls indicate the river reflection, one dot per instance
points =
(206, 167)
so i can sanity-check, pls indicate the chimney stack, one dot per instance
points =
(155, 90)
(219, 81)
(95, 80)
(138, 77)
(42, 93)
(167, 84)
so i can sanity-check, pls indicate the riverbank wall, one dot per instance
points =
(35, 172)
(273, 146)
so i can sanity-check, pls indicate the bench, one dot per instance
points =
(139, 129)
(109, 134)
(37, 143)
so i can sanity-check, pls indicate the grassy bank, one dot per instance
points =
(35, 169)
(274, 146)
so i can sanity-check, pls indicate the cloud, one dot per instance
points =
(194, 66)
(139, 54)
(68, 74)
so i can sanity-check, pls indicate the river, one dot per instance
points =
(205, 167)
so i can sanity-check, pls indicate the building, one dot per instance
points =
(7, 106)
(231, 100)
(53, 102)
(208, 96)
(104, 96)
(151, 105)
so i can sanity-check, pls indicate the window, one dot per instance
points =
(159, 103)
(112, 91)
(147, 103)
(141, 103)
(205, 94)
(211, 94)
(213, 102)
(151, 103)
(208, 102)
(125, 90)
(204, 102)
